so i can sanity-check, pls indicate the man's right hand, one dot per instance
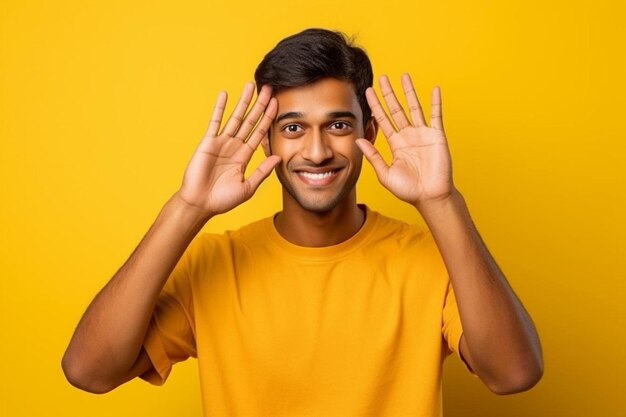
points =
(106, 349)
(214, 180)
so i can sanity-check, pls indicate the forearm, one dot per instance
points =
(501, 338)
(108, 338)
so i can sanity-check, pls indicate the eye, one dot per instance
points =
(292, 130)
(341, 127)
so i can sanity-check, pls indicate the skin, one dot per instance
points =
(315, 129)
(106, 348)
(315, 133)
(500, 342)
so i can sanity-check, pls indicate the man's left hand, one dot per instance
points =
(421, 170)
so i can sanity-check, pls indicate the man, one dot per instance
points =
(327, 308)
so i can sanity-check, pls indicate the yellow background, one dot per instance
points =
(103, 103)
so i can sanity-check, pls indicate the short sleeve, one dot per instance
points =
(171, 337)
(452, 328)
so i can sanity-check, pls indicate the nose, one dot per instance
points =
(316, 148)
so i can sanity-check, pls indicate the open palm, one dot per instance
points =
(421, 168)
(214, 179)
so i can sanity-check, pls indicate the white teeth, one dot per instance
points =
(316, 176)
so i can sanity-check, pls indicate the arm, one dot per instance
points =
(106, 348)
(499, 342)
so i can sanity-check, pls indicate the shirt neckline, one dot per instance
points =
(326, 252)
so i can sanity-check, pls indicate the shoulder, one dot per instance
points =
(398, 232)
(403, 243)
(245, 235)
(219, 251)
(409, 251)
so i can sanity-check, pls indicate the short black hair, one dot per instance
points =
(312, 55)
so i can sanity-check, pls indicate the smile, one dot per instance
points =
(317, 178)
(316, 175)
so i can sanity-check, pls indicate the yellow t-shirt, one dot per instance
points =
(356, 329)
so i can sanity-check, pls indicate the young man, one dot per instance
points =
(327, 308)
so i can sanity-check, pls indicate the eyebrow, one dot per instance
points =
(332, 115)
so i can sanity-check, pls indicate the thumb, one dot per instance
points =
(260, 174)
(374, 158)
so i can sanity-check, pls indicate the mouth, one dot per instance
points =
(318, 178)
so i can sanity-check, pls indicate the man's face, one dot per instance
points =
(314, 133)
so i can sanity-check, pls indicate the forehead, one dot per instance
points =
(321, 97)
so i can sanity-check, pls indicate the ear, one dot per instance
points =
(371, 130)
(265, 143)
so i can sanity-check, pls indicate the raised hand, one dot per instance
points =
(421, 169)
(214, 180)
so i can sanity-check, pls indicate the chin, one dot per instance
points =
(308, 201)
(319, 207)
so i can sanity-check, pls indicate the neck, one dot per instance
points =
(312, 229)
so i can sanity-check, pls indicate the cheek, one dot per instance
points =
(287, 150)
(282, 147)
(349, 149)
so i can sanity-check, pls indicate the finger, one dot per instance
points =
(415, 108)
(261, 130)
(379, 114)
(257, 110)
(260, 174)
(374, 157)
(395, 109)
(436, 117)
(235, 119)
(216, 117)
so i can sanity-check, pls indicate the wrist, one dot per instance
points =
(436, 208)
(188, 211)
